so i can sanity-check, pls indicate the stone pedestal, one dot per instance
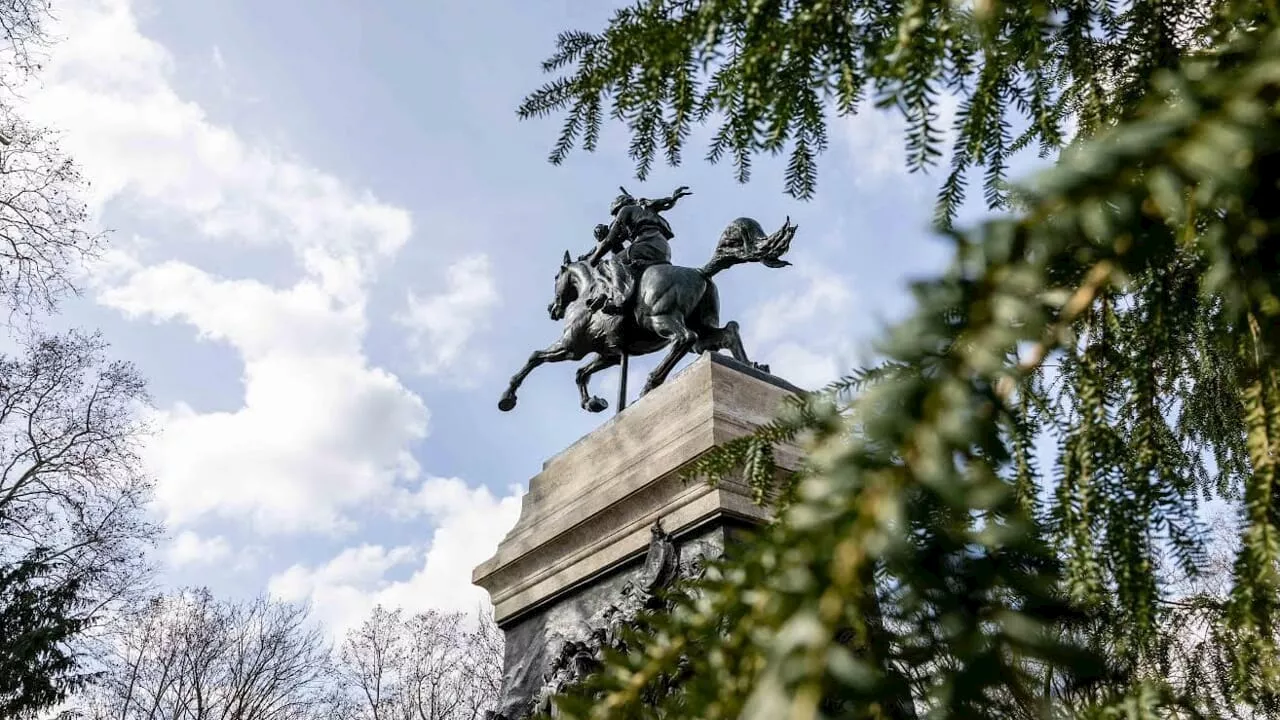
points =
(588, 541)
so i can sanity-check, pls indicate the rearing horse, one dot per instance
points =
(674, 306)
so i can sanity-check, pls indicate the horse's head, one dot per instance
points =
(567, 289)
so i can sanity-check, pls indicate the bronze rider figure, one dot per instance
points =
(637, 221)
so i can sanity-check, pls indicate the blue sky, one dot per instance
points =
(333, 242)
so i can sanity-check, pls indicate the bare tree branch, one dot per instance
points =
(426, 666)
(70, 478)
(193, 657)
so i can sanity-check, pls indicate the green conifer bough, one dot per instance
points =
(1129, 312)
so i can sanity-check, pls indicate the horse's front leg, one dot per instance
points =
(601, 362)
(556, 353)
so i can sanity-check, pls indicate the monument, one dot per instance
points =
(610, 521)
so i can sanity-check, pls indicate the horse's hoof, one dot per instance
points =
(761, 367)
(507, 403)
(596, 404)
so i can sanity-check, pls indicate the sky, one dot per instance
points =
(332, 242)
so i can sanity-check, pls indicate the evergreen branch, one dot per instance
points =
(903, 497)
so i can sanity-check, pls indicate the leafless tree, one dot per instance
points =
(72, 497)
(24, 39)
(44, 243)
(426, 666)
(370, 661)
(70, 479)
(486, 648)
(193, 657)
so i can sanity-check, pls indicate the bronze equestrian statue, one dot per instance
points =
(626, 298)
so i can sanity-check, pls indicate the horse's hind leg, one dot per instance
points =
(670, 327)
(600, 362)
(726, 338)
(711, 337)
(556, 353)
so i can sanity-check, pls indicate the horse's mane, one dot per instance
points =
(584, 276)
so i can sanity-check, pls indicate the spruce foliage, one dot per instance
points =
(771, 73)
(37, 620)
(1128, 310)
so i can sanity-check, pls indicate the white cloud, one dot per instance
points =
(822, 294)
(805, 367)
(442, 324)
(320, 431)
(875, 140)
(339, 590)
(109, 88)
(805, 335)
(188, 548)
(469, 523)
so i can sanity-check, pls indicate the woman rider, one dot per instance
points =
(649, 233)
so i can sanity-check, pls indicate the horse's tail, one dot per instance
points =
(744, 241)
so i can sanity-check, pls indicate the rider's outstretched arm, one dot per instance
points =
(661, 204)
(666, 203)
(613, 240)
